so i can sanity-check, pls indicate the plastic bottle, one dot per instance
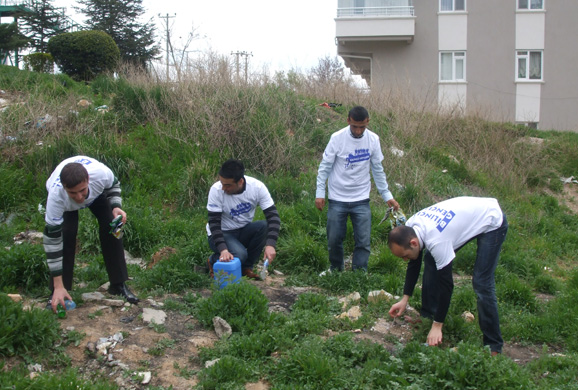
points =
(61, 311)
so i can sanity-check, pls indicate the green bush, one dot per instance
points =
(24, 269)
(39, 62)
(84, 54)
(242, 305)
(25, 331)
(517, 293)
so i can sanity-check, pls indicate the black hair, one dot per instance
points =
(401, 235)
(73, 174)
(232, 169)
(358, 114)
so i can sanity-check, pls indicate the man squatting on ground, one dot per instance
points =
(348, 156)
(76, 183)
(440, 231)
(231, 231)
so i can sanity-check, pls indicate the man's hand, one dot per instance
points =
(118, 211)
(226, 256)
(393, 203)
(398, 308)
(435, 334)
(319, 203)
(59, 294)
(270, 253)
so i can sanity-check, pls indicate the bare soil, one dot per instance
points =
(178, 364)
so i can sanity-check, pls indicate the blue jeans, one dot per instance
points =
(360, 215)
(245, 243)
(488, 253)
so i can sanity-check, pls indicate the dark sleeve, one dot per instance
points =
(273, 225)
(216, 232)
(412, 274)
(445, 289)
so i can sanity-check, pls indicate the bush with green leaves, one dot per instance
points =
(39, 62)
(242, 305)
(24, 269)
(84, 54)
(25, 331)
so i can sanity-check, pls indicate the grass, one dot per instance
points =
(166, 142)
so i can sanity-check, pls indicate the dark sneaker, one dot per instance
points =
(122, 290)
(248, 272)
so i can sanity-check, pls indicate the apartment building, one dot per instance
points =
(506, 60)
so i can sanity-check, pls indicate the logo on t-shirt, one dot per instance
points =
(242, 208)
(359, 156)
(440, 216)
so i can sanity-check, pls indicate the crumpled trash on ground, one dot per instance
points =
(568, 180)
(330, 105)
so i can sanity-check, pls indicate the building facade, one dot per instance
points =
(505, 60)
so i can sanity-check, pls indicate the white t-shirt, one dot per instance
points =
(100, 178)
(446, 226)
(238, 210)
(349, 180)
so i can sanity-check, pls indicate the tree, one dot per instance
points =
(42, 22)
(119, 19)
(10, 38)
(84, 54)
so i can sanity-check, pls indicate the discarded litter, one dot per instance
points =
(396, 218)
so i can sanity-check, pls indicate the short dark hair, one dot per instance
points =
(358, 114)
(73, 174)
(232, 169)
(401, 235)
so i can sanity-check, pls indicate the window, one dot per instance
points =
(453, 66)
(530, 4)
(452, 5)
(528, 65)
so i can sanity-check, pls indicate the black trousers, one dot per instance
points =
(111, 247)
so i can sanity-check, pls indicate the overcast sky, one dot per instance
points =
(280, 35)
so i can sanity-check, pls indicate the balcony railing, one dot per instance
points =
(375, 11)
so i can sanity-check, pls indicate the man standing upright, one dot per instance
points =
(231, 230)
(348, 156)
(76, 183)
(435, 234)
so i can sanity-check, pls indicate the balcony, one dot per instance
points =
(374, 20)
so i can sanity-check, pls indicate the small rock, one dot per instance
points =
(467, 316)
(376, 296)
(113, 302)
(15, 297)
(83, 103)
(92, 297)
(150, 315)
(222, 327)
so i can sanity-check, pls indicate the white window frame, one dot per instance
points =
(453, 6)
(524, 57)
(457, 58)
(528, 6)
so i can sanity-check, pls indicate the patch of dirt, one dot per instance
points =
(177, 364)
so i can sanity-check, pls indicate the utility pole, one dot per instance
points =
(167, 17)
(244, 54)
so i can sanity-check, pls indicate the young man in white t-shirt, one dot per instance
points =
(440, 231)
(231, 208)
(348, 156)
(76, 183)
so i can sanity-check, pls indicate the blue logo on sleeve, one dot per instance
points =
(242, 208)
(359, 156)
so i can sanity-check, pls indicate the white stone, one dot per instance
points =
(152, 315)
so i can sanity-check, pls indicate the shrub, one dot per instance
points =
(25, 331)
(24, 268)
(84, 54)
(39, 62)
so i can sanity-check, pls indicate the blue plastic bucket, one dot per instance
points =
(227, 272)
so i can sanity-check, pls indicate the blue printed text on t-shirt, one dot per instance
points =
(241, 208)
(440, 216)
(360, 155)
